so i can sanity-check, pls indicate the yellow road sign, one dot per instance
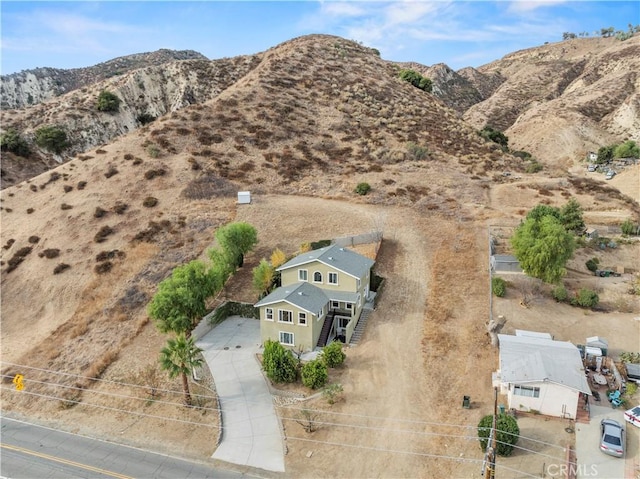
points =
(17, 380)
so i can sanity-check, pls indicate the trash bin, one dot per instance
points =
(466, 402)
(501, 409)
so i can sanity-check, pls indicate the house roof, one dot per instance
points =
(302, 295)
(341, 296)
(336, 257)
(526, 359)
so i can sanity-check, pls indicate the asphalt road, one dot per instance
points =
(30, 451)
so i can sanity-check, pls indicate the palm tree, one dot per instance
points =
(180, 357)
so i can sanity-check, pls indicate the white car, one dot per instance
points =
(610, 174)
(633, 416)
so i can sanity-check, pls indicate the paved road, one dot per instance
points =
(30, 451)
(591, 461)
(251, 430)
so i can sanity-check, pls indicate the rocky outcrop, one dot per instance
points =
(30, 87)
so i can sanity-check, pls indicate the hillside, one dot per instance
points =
(30, 87)
(299, 125)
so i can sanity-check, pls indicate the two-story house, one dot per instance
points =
(321, 298)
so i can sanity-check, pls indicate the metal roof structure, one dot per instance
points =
(531, 359)
(336, 257)
(302, 295)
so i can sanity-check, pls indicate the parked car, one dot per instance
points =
(633, 416)
(591, 168)
(611, 438)
(610, 174)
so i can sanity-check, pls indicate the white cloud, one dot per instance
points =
(342, 9)
(525, 6)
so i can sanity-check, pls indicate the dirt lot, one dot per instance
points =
(423, 349)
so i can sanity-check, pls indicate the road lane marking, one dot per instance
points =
(64, 461)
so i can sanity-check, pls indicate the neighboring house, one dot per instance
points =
(592, 156)
(540, 374)
(329, 287)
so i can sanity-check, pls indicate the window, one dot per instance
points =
(317, 277)
(526, 391)
(358, 284)
(286, 338)
(333, 278)
(335, 304)
(349, 305)
(268, 314)
(320, 314)
(302, 275)
(285, 316)
(302, 319)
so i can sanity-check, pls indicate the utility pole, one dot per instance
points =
(489, 463)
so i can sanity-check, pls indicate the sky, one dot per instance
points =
(459, 33)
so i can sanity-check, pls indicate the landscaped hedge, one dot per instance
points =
(233, 308)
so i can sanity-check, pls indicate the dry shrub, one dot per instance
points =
(151, 174)
(34, 239)
(208, 186)
(119, 208)
(49, 253)
(9, 243)
(195, 166)
(100, 151)
(149, 235)
(128, 156)
(65, 206)
(67, 188)
(81, 185)
(18, 258)
(544, 192)
(99, 212)
(150, 202)
(102, 234)
(137, 161)
(33, 188)
(104, 267)
(106, 255)
(61, 268)
(80, 328)
(111, 171)
(101, 364)
(84, 157)
(30, 210)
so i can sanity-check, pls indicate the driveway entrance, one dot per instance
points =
(250, 428)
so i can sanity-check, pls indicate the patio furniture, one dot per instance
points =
(615, 395)
(599, 379)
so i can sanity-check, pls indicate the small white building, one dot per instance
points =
(540, 374)
(244, 197)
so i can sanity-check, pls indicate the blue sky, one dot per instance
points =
(458, 33)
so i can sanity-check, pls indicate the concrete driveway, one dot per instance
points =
(250, 428)
(591, 461)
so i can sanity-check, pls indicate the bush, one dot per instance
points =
(278, 363)
(145, 118)
(11, 141)
(507, 435)
(333, 393)
(99, 212)
(60, 268)
(52, 138)
(150, 202)
(151, 174)
(104, 267)
(416, 151)
(560, 293)
(592, 264)
(363, 188)
(50, 253)
(496, 136)
(153, 151)
(314, 374)
(533, 167)
(629, 228)
(586, 298)
(333, 355)
(498, 286)
(108, 101)
(416, 79)
(101, 235)
(111, 171)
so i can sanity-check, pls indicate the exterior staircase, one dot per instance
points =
(324, 333)
(359, 331)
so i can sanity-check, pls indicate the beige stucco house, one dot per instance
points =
(322, 296)
(540, 374)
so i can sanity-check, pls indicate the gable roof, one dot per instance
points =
(336, 257)
(302, 295)
(526, 359)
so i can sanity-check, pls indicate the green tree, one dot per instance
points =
(494, 135)
(179, 358)
(263, 276)
(236, 240)
(333, 354)
(571, 217)
(108, 101)
(592, 264)
(540, 211)
(314, 374)
(416, 79)
(560, 293)
(543, 248)
(278, 258)
(180, 302)
(628, 149)
(507, 435)
(605, 154)
(11, 141)
(586, 298)
(278, 363)
(52, 138)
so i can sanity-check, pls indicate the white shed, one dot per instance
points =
(244, 197)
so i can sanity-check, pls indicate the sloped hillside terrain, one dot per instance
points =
(561, 100)
(29, 87)
(299, 125)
